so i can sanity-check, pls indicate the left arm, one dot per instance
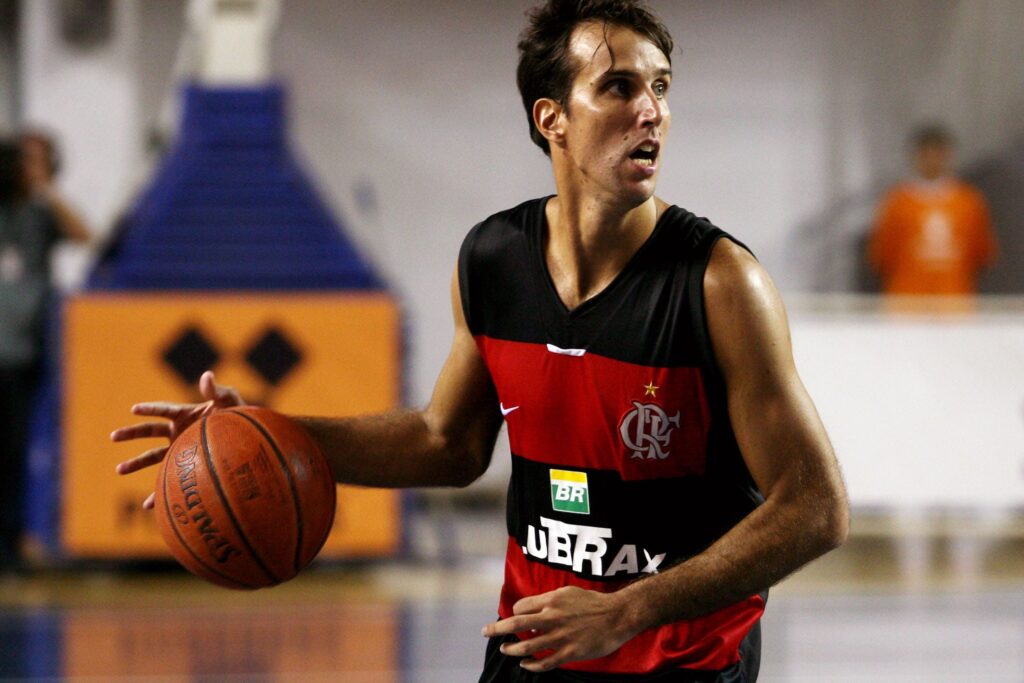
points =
(787, 452)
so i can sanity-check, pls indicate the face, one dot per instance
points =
(617, 117)
(933, 160)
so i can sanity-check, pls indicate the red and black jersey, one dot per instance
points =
(624, 461)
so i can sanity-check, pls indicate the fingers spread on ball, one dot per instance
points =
(144, 430)
(208, 385)
(150, 457)
(171, 411)
(222, 396)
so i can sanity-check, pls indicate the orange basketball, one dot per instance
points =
(245, 499)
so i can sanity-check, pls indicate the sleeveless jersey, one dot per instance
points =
(624, 461)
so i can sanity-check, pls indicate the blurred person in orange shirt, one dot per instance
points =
(933, 234)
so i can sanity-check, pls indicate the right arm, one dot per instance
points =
(448, 443)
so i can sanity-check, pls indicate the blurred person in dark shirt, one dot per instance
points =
(41, 162)
(31, 224)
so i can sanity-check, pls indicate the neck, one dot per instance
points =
(589, 242)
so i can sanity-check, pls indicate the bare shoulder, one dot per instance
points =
(746, 318)
(734, 277)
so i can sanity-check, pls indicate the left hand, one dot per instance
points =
(180, 416)
(571, 623)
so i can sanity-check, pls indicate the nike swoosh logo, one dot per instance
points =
(578, 353)
(505, 411)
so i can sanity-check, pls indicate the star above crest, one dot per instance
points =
(651, 390)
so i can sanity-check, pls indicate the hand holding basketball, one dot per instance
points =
(180, 415)
(245, 498)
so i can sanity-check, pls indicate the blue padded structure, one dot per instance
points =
(229, 208)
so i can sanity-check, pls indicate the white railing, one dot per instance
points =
(923, 400)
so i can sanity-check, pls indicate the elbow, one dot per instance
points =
(835, 523)
(466, 465)
(823, 521)
(465, 477)
(464, 480)
(473, 467)
(837, 533)
(831, 512)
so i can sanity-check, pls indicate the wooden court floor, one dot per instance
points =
(851, 618)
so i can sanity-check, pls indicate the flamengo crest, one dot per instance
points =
(646, 431)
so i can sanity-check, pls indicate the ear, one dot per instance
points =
(549, 118)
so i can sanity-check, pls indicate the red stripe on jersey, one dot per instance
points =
(711, 642)
(595, 412)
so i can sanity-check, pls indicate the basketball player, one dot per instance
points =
(668, 464)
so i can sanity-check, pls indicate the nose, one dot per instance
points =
(652, 109)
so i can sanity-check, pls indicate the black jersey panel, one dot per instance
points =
(496, 282)
(644, 317)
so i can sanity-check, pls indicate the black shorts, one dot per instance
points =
(499, 668)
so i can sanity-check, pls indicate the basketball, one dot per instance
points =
(245, 498)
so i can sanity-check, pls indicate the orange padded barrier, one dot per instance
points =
(306, 354)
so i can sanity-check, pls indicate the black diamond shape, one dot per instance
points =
(273, 356)
(191, 355)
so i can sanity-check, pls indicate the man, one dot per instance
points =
(933, 234)
(41, 161)
(643, 432)
(30, 228)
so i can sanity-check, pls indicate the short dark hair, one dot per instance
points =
(545, 68)
(930, 134)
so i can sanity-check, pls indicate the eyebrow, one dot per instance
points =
(629, 73)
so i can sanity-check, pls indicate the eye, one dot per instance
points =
(660, 89)
(618, 86)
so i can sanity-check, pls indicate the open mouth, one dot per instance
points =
(645, 154)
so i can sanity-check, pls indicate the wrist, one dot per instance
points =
(634, 614)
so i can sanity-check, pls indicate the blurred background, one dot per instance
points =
(269, 188)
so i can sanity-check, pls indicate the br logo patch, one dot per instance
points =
(569, 492)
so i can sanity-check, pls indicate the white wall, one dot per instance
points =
(788, 118)
(89, 99)
(888, 67)
(781, 111)
(924, 410)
